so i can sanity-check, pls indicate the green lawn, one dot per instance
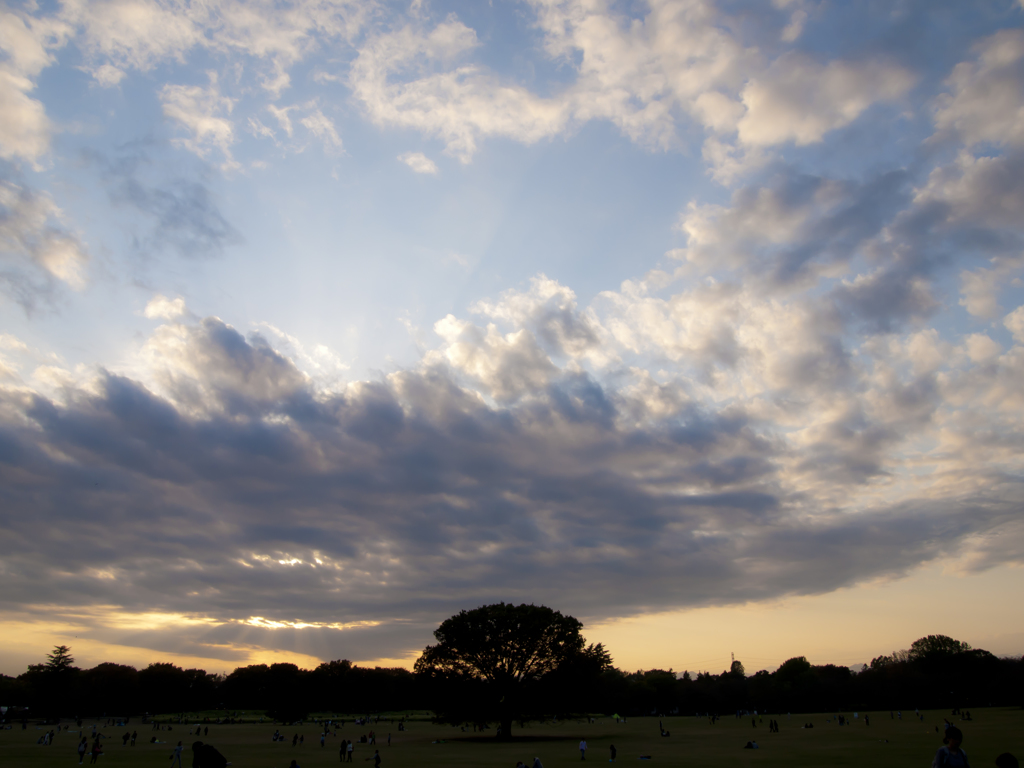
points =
(693, 742)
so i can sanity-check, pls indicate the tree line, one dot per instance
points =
(500, 664)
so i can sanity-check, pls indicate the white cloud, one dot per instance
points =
(281, 115)
(1014, 323)
(25, 128)
(639, 73)
(210, 368)
(797, 229)
(548, 310)
(321, 126)
(980, 202)
(108, 75)
(26, 43)
(679, 61)
(727, 162)
(979, 290)
(799, 100)
(139, 34)
(986, 98)
(795, 27)
(419, 162)
(134, 33)
(460, 104)
(32, 228)
(636, 75)
(978, 191)
(161, 307)
(258, 129)
(981, 347)
(202, 111)
(506, 366)
(7, 341)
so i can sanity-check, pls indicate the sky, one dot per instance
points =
(322, 320)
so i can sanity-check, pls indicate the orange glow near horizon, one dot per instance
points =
(849, 626)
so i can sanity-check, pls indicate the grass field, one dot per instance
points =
(693, 743)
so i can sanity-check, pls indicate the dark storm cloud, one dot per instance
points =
(404, 500)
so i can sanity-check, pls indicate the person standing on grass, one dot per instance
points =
(583, 750)
(951, 756)
(341, 750)
(351, 749)
(176, 756)
(375, 758)
(83, 745)
(611, 751)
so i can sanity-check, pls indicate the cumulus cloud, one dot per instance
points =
(27, 44)
(459, 104)
(140, 34)
(976, 204)
(647, 74)
(419, 162)
(795, 229)
(640, 74)
(798, 100)
(211, 367)
(1014, 322)
(25, 129)
(774, 414)
(548, 309)
(37, 244)
(161, 307)
(203, 112)
(985, 102)
(387, 504)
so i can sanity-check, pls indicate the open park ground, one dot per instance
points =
(884, 743)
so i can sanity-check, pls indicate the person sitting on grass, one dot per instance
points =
(951, 755)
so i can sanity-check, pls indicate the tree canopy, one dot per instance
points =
(507, 662)
(937, 645)
(60, 658)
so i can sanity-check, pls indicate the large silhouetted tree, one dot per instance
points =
(937, 645)
(509, 662)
